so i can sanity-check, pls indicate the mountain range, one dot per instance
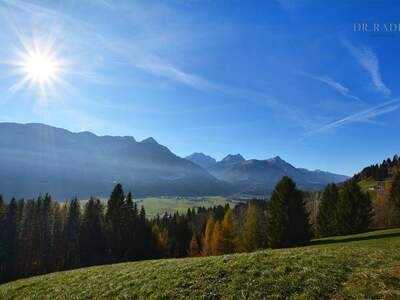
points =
(37, 158)
(260, 176)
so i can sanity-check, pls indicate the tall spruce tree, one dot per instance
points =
(288, 223)
(144, 237)
(354, 209)
(206, 248)
(93, 243)
(254, 233)
(194, 249)
(46, 230)
(129, 230)
(217, 240)
(11, 231)
(72, 231)
(115, 222)
(59, 245)
(326, 218)
(26, 255)
(229, 241)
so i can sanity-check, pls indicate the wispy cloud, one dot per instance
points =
(148, 50)
(331, 83)
(366, 115)
(369, 61)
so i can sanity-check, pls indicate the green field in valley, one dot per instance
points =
(163, 204)
(363, 266)
(160, 205)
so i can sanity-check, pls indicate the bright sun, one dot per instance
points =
(40, 68)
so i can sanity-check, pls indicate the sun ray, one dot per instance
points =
(40, 68)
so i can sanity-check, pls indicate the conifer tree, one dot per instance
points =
(288, 223)
(129, 228)
(159, 246)
(115, 222)
(254, 233)
(217, 240)
(10, 231)
(26, 242)
(194, 249)
(59, 245)
(206, 248)
(93, 243)
(144, 237)
(326, 218)
(46, 215)
(229, 240)
(72, 230)
(354, 209)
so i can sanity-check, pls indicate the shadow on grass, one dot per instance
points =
(354, 239)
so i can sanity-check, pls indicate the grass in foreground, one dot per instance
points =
(364, 266)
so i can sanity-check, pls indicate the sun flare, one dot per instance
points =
(40, 68)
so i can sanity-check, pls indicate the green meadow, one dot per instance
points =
(161, 205)
(362, 266)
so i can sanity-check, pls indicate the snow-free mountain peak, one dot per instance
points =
(201, 159)
(233, 158)
(150, 140)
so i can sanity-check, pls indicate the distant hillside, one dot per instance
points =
(260, 176)
(381, 171)
(37, 158)
(204, 161)
(363, 266)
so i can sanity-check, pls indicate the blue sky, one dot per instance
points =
(266, 78)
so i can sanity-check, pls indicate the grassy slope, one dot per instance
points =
(359, 267)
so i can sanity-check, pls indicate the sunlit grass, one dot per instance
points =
(364, 266)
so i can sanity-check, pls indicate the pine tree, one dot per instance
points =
(11, 222)
(354, 209)
(144, 237)
(46, 214)
(326, 218)
(159, 246)
(288, 223)
(129, 231)
(26, 258)
(115, 222)
(254, 233)
(217, 240)
(59, 245)
(72, 231)
(92, 236)
(206, 248)
(229, 241)
(194, 249)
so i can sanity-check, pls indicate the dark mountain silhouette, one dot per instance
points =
(37, 158)
(204, 161)
(260, 176)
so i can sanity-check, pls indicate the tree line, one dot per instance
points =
(41, 236)
(381, 171)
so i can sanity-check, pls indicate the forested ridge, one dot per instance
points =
(41, 235)
(381, 171)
